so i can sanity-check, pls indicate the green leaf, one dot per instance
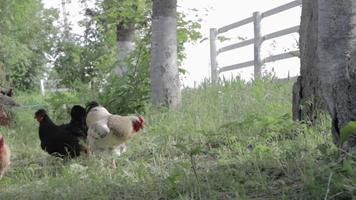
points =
(347, 131)
(195, 151)
(182, 71)
(181, 147)
(347, 167)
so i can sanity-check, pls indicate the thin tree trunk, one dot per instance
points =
(125, 34)
(337, 62)
(164, 74)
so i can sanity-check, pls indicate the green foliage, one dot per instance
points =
(29, 40)
(25, 39)
(347, 131)
(130, 93)
(124, 11)
(68, 64)
(231, 141)
(87, 59)
(60, 104)
(187, 31)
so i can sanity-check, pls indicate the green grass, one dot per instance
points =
(235, 141)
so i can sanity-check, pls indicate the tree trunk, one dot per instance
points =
(125, 34)
(337, 62)
(164, 74)
(296, 100)
(307, 101)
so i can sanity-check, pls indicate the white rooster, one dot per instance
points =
(108, 132)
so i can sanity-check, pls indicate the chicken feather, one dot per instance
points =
(4, 157)
(107, 132)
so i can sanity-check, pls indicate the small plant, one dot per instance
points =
(347, 131)
(60, 104)
(130, 93)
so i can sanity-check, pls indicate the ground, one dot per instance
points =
(235, 141)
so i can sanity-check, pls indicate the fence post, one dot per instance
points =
(257, 44)
(42, 87)
(213, 55)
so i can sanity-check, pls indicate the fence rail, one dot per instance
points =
(257, 41)
(50, 86)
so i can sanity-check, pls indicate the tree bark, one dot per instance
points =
(337, 62)
(125, 34)
(307, 101)
(296, 100)
(164, 73)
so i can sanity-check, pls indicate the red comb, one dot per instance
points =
(137, 125)
(142, 120)
(1, 142)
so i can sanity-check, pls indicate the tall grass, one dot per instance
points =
(233, 141)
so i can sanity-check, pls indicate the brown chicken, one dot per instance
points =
(6, 102)
(4, 157)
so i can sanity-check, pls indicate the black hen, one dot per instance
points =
(77, 126)
(57, 140)
(91, 105)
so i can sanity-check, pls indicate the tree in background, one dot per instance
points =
(84, 60)
(165, 83)
(26, 41)
(87, 63)
(128, 17)
(102, 29)
(105, 28)
(125, 44)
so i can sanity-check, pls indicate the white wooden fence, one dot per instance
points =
(50, 86)
(257, 41)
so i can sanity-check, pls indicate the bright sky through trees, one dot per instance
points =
(217, 13)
